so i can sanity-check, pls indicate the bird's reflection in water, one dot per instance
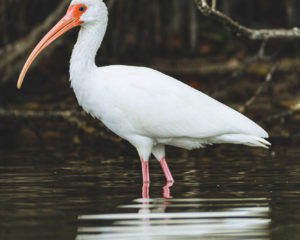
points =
(166, 190)
(171, 218)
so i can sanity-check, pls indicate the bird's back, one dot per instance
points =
(149, 103)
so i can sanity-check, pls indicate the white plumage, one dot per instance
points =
(147, 108)
(137, 101)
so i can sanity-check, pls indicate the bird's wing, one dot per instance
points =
(160, 106)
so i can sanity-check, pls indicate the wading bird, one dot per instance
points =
(146, 107)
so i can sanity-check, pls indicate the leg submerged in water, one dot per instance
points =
(145, 171)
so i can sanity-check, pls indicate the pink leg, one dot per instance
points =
(166, 190)
(166, 170)
(145, 190)
(145, 171)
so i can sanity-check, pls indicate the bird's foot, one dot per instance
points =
(166, 190)
(171, 181)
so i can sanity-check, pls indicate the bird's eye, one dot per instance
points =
(82, 9)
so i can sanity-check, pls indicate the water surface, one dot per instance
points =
(223, 192)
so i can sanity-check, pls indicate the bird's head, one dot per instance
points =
(88, 11)
(80, 12)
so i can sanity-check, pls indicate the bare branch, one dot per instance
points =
(74, 117)
(261, 34)
(110, 4)
(293, 108)
(259, 56)
(284, 114)
(12, 55)
(259, 89)
(213, 4)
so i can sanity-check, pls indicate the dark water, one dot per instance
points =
(223, 192)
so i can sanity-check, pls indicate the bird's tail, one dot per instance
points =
(248, 140)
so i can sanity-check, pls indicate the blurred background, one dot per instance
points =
(169, 35)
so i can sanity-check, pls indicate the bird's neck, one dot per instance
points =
(83, 56)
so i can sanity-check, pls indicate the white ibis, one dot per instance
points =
(146, 107)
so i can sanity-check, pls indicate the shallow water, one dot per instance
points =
(223, 192)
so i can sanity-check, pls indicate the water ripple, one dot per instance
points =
(182, 219)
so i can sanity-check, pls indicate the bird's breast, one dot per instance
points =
(104, 103)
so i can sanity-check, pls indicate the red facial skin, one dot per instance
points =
(76, 13)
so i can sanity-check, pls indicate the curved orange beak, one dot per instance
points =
(69, 21)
